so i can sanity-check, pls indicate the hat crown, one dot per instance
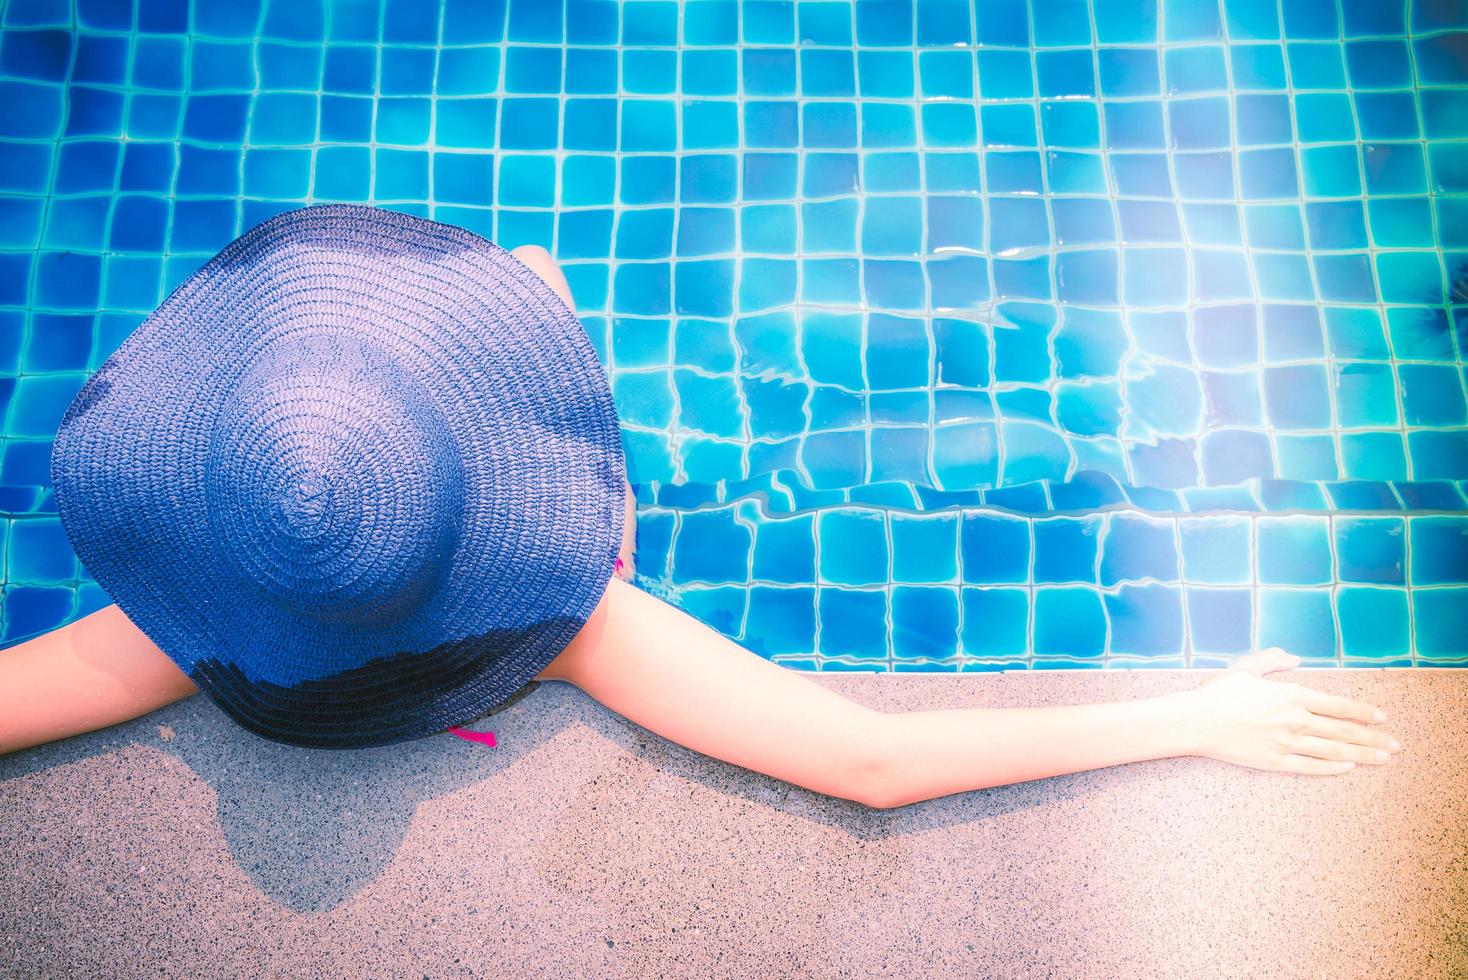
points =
(335, 480)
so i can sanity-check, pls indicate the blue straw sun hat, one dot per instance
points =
(360, 477)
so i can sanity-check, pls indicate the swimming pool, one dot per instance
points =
(945, 336)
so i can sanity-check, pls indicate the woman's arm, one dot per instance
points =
(664, 670)
(98, 671)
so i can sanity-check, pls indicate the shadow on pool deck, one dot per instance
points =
(584, 845)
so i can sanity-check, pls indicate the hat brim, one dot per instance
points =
(524, 398)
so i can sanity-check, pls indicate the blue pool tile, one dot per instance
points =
(1232, 398)
(1145, 620)
(784, 550)
(1217, 550)
(640, 343)
(1310, 21)
(1137, 547)
(1363, 17)
(1298, 620)
(1020, 348)
(712, 72)
(1231, 456)
(1432, 395)
(26, 462)
(590, 70)
(833, 459)
(649, 72)
(39, 552)
(1076, 172)
(1199, 123)
(1089, 408)
(853, 623)
(1297, 396)
(1387, 115)
(1142, 175)
(1004, 74)
(710, 23)
(709, 404)
(940, 22)
(1294, 550)
(587, 21)
(1379, 63)
(891, 171)
(1404, 222)
(924, 548)
(1134, 125)
(1069, 621)
(1365, 395)
(781, 620)
(1440, 619)
(535, 22)
(1434, 454)
(899, 454)
(1196, 68)
(30, 610)
(1190, 22)
(1065, 74)
(1065, 549)
(1374, 622)
(644, 398)
(711, 546)
(1166, 399)
(924, 622)
(1302, 457)
(1374, 456)
(827, 124)
(59, 342)
(1362, 495)
(1439, 548)
(941, 74)
(1129, 72)
(1220, 620)
(703, 344)
(705, 231)
(721, 608)
(1432, 495)
(853, 547)
(1083, 221)
(897, 352)
(1149, 221)
(995, 549)
(1316, 66)
(1037, 452)
(995, 622)
(650, 23)
(525, 123)
(40, 55)
(1165, 463)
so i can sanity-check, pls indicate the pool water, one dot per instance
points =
(945, 336)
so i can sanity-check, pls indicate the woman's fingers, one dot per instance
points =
(1313, 767)
(1268, 660)
(1335, 750)
(1337, 707)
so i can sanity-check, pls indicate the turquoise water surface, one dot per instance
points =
(945, 335)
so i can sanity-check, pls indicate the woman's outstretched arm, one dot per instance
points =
(664, 670)
(656, 665)
(98, 671)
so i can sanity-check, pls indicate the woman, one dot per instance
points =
(270, 476)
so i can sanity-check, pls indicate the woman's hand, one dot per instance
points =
(1244, 719)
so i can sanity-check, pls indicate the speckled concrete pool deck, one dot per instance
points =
(584, 846)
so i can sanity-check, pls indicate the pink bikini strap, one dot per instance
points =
(483, 738)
